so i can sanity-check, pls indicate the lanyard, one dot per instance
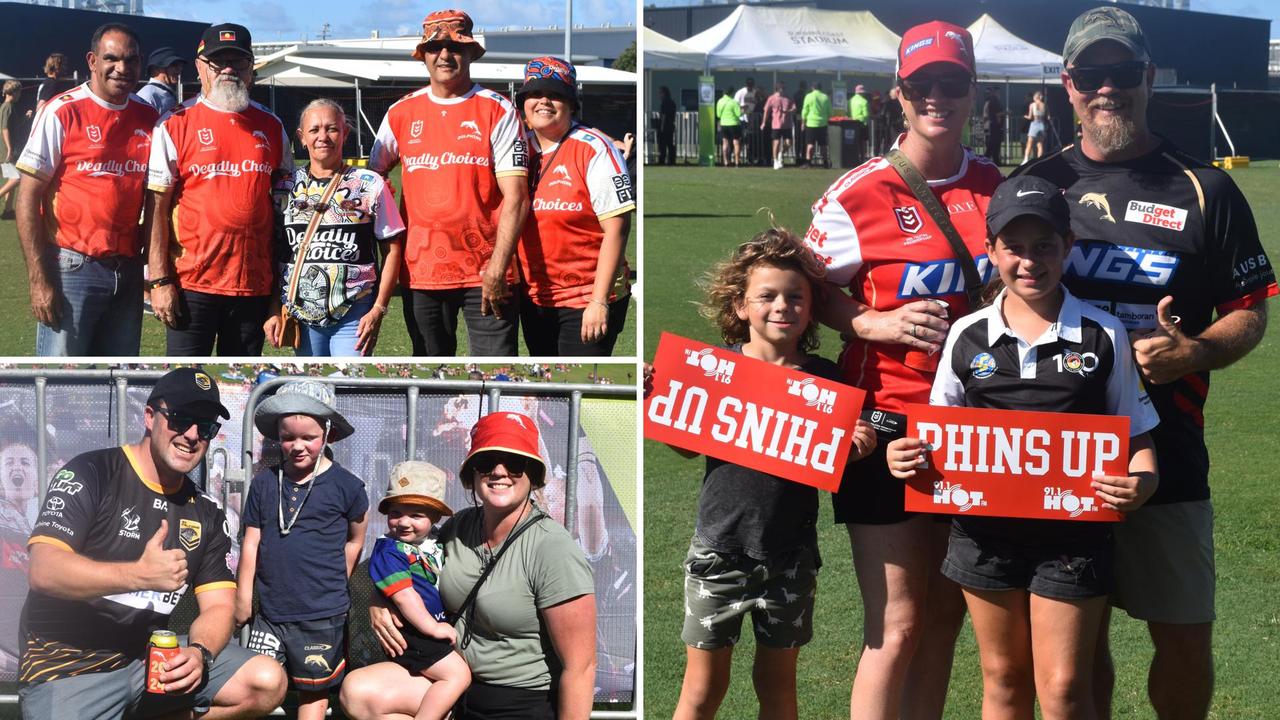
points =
(309, 482)
(537, 177)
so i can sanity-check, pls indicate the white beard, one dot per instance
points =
(230, 95)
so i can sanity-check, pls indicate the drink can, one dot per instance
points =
(921, 360)
(161, 648)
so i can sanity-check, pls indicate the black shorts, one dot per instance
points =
(869, 494)
(483, 701)
(815, 136)
(313, 652)
(1073, 570)
(423, 651)
(731, 132)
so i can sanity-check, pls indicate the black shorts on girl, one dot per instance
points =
(869, 494)
(423, 651)
(1063, 560)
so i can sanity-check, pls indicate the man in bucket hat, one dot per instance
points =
(1134, 195)
(304, 526)
(465, 194)
(123, 534)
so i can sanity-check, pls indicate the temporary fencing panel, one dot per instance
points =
(394, 420)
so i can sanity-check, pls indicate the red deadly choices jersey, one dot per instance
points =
(876, 238)
(94, 155)
(99, 506)
(222, 167)
(580, 182)
(453, 150)
(1162, 224)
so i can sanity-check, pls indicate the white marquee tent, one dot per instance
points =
(757, 37)
(663, 53)
(1002, 55)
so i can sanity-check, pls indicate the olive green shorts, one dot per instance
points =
(1164, 563)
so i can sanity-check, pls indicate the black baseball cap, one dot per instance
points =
(190, 391)
(163, 58)
(227, 36)
(1028, 195)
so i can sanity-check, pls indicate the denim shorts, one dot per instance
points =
(1074, 572)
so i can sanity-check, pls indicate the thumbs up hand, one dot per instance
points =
(158, 568)
(1165, 353)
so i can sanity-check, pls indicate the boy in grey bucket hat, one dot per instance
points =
(304, 526)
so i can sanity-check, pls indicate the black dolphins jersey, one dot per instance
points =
(99, 506)
(1162, 224)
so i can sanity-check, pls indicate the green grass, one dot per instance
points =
(18, 327)
(694, 216)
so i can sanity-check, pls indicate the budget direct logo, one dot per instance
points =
(1064, 500)
(813, 396)
(1155, 215)
(954, 494)
(719, 369)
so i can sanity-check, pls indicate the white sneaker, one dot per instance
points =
(777, 164)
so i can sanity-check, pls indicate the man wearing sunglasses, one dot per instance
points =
(1169, 245)
(122, 535)
(465, 194)
(214, 162)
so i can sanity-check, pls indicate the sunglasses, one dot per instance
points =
(435, 46)
(918, 86)
(180, 423)
(1125, 75)
(484, 463)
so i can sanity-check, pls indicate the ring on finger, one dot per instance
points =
(915, 330)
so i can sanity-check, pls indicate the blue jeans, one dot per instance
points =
(338, 339)
(101, 307)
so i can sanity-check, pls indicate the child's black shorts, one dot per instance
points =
(423, 651)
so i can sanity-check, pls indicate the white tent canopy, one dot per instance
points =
(327, 66)
(663, 53)
(1003, 55)
(757, 37)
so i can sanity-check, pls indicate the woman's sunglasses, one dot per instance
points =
(180, 423)
(485, 462)
(918, 86)
(1125, 75)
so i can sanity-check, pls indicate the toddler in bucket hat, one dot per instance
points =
(415, 482)
(448, 26)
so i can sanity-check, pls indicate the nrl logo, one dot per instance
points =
(415, 129)
(94, 132)
(205, 136)
(908, 219)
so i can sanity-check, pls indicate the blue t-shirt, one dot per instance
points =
(396, 565)
(303, 575)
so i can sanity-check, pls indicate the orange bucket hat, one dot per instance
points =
(454, 25)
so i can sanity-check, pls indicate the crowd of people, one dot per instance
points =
(515, 216)
(889, 263)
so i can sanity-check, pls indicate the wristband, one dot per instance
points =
(381, 308)
(206, 655)
(159, 282)
(603, 305)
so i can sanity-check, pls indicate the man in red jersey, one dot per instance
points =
(79, 202)
(213, 164)
(465, 193)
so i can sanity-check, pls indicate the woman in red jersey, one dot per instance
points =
(899, 280)
(571, 250)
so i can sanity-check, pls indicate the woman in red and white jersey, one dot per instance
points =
(571, 250)
(899, 282)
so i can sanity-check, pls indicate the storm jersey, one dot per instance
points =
(453, 150)
(1163, 224)
(99, 506)
(94, 156)
(581, 181)
(877, 239)
(221, 167)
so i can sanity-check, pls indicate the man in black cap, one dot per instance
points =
(123, 533)
(219, 154)
(164, 67)
(1164, 242)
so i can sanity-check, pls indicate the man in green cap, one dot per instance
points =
(1191, 286)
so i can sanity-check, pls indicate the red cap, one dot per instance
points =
(509, 432)
(935, 42)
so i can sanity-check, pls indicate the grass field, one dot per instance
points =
(694, 216)
(18, 328)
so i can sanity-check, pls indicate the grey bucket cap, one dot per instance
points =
(301, 397)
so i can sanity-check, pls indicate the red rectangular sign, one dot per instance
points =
(1015, 463)
(769, 418)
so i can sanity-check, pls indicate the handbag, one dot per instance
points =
(920, 188)
(290, 332)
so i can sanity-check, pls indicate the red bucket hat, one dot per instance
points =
(506, 432)
(453, 25)
(934, 42)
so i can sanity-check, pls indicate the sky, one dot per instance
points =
(296, 19)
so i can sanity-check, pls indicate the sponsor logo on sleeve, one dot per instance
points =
(64, 482)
